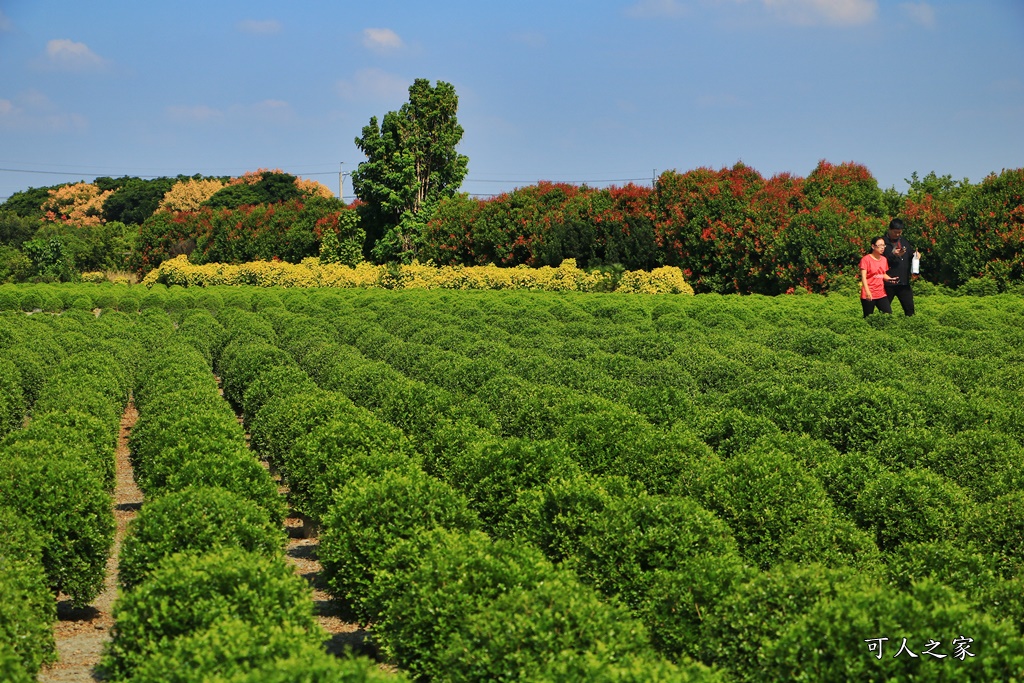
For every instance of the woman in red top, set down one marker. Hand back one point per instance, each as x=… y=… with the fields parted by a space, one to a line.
x=873 y=278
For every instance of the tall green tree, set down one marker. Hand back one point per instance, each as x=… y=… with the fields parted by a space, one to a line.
x=411 y=165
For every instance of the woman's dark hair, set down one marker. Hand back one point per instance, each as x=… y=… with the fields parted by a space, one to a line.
x=896 y=224
x=875 y=239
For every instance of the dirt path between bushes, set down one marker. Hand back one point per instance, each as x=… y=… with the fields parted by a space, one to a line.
x=81 y=633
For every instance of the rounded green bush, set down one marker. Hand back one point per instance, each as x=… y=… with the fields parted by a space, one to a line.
x=913 y=505
x=243 y=360
x=12 y=669
x=428 y=587
x=12 y=398
x=631 y=669
x=845 y=475
x=153 y=299
x=65 y=501
x=188 y=594
x=30 y=368
x=105 y=299
x=129 y=302
x=81 y=303
x=31 y=300
x=201 y=330
x=316 y=667
x=492 y=474
x=764 y=496
x=620 y=442
x=76 y=432
x=10 y=298
x=228 y=647
x=51 y=303
x=999 y=531
x=636 y=535
x=326 y=458
x=527 y=630
x=194 y=521
x=985 y=463
x=28 y=609
x=828 y=643
x=679 y=599
x=278 y=380
x=160 y=430
x=736 y=628
x=284 y=419
x=566 y=510
x=733 y=431
x=223 y=464
x=846 y=426
x=958 y=564
x=370 y=515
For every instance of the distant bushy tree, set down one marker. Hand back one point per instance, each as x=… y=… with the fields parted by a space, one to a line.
x=411 y=165
x=135 y=200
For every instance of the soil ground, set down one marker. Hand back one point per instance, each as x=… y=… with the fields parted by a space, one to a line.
x=81 y=633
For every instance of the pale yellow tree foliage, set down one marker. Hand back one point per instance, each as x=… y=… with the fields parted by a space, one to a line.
x=188 y=195
x=77 y=204
x=313 y=188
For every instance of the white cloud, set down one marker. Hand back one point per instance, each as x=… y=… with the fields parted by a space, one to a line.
x=67 y=55
x=374 y=84
x=381 y=39
x=648 y=9
x=32 y=111
x=920 y=13
x=260 y=27
x=831 y=12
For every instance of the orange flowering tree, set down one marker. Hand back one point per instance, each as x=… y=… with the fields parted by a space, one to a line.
x=76 y=204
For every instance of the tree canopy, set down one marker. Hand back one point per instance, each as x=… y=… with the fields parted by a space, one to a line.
x=411 y=165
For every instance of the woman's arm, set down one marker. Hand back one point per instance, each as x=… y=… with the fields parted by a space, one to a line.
x=864 y=284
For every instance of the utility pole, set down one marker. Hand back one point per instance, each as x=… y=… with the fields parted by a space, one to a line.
x=341 y=180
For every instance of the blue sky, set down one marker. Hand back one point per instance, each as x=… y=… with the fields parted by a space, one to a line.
x=600 y=92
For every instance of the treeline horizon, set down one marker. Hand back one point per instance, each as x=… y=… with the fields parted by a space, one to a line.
x=729 y=230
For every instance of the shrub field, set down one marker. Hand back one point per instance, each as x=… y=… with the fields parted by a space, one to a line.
x=515 y=485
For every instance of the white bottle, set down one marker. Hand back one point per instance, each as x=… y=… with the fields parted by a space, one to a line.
x=915 y=265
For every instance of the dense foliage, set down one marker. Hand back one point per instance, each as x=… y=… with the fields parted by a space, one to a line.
x=729 y=230
x=564 y=486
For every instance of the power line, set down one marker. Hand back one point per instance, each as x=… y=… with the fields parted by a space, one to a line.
x=571 y=182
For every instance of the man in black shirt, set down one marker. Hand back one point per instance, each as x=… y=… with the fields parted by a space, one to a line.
x=898 y=253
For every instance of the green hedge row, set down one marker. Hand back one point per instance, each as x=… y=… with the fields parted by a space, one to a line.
x=59 y=470
x=208 y=595
x=27 y=610
x=187 y=435
x=69 y=374
x=333 y=453
x=748 y=409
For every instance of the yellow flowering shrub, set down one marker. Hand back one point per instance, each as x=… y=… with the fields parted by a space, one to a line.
x=311 y=273
x=664 y=280
x=94 y=276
